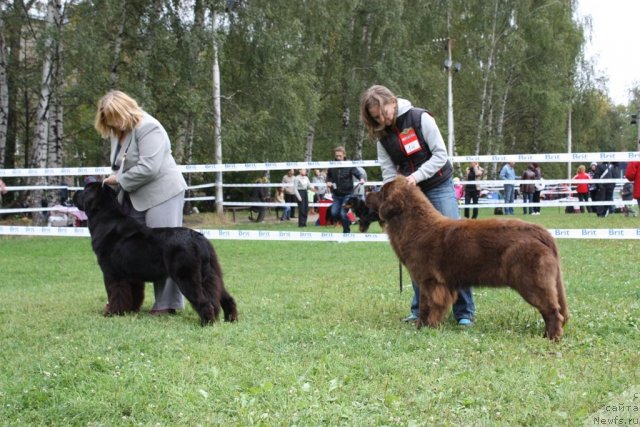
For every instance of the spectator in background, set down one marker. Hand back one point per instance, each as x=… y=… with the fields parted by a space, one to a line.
x=633 y=174
x=606 y=170
x=258 y=194
x=627 y=195
x=3 y=190
x=319 y=186
x=301 y=186
x=508 y=173
x=593 y=187
x=286 y=210
x=471 y=189
x=340 y=180
x=583 y=188
x=289 y=191
x=537 y=188
x=527 y=189
x=458 y=188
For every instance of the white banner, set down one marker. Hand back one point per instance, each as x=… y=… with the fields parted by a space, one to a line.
x=237 y=167
x=303 y=236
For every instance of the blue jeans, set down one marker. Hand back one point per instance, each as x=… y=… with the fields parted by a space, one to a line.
x=286 y=213
x=527 y=198
x=337 y=211
x=509 y=197
x=443 y=198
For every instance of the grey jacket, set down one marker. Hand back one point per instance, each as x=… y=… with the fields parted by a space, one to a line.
x=431 y=135
x=148 y=171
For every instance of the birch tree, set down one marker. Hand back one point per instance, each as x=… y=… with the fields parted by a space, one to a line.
x=41 y=146
x=217 y=113
x=4 y=88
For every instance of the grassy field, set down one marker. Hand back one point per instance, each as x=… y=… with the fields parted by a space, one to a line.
x=319 y=341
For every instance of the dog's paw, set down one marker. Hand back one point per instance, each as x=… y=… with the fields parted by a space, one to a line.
x=106 y=311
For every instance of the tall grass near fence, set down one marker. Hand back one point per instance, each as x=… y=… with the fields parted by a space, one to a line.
x=319 y=342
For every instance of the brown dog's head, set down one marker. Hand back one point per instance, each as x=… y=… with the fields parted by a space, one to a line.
x=392 y=198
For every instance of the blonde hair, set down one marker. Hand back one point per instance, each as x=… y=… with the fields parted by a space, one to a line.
x=581 y=168
x=379 y=96
x=117 y=113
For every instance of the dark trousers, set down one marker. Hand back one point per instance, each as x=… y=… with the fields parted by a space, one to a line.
x=605 y=193
x=593 y=193
x=303 y=208
x=536 y=199
x=471 y=196
x=583 y=197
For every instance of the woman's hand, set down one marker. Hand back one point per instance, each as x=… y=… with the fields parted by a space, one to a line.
x=411 y=180
x=110 y=180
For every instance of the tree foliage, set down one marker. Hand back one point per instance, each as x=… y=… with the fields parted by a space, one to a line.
x=292 y=74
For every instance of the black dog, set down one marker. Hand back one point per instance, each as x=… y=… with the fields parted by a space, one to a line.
x=365 y=215
x=130 y=253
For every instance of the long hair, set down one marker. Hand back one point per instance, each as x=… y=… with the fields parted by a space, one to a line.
x=379 y=96
x=116 y=113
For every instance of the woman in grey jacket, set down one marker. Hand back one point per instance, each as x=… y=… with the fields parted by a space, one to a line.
x=152 y=187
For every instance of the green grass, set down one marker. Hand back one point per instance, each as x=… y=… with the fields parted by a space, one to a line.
x=319 y=342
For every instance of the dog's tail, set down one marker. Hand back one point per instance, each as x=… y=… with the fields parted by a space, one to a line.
x=562 y=297
x=550 y=241
x=227 y=302
x=228 y=306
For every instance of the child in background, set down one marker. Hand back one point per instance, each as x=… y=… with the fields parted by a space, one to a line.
x=458 y=188
x=627 y=194
x=286 y=210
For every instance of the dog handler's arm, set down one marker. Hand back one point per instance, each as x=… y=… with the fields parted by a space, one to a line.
x=386 y=164
x=151 y=142
x=434 y=140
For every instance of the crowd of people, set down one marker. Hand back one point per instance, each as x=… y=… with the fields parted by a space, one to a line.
x=531 y=187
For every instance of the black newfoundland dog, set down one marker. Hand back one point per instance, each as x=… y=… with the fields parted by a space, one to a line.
x=130 y=254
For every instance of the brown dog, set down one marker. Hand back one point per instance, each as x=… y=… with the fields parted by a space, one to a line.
x=443 y=255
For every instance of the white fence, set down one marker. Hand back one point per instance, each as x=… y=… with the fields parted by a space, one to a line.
x=604 y=233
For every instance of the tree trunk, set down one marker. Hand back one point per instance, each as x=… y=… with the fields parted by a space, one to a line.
x=13 y=33
x=357 y=154
x=499 y=140
x=56 y=118
x=486 y=76
x=217 y=117
x=344 y=137
x=117 y=48
x=41 y=150
x=308 y=150
x=4 y=90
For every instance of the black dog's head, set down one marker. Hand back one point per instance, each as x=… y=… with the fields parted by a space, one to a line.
x=364 y=214
x=95 y=197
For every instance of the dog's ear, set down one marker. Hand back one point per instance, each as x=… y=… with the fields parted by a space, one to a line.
x=392 y=200
x=85 y=199
x=372 y=201
x=391 y=207
x=78 y=199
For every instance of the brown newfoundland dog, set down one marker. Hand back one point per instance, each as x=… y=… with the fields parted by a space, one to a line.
x=130 y=254
x=443 y=255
